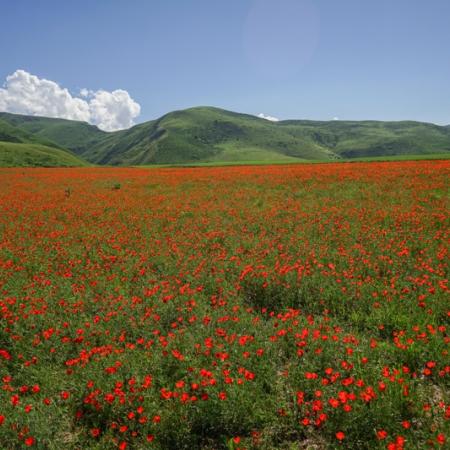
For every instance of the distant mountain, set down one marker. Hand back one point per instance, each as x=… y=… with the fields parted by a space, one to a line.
x=206 y=134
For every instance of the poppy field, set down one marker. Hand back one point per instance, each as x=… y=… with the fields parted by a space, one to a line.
x=265 y=307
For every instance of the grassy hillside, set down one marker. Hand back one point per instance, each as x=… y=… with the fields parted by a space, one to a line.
x=12 y=133
x=22 y=145
x=68 y=134
x=212 y=135
x=35 y=155
x=374 y=138
x=201 y=135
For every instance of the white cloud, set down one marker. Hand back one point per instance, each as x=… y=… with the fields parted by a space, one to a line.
x=86 y=92
x=24 y=93
x=113 y=110
x=335 y=118
x=271 y=118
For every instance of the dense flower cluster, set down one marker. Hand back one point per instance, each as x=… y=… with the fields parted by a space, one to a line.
x=239 y=307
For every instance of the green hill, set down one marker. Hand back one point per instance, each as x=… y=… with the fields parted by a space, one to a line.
x=20 y=147
x=35 y=155
x=68 y=134
x=351 y=139
x=212 y=135
x=12 y=133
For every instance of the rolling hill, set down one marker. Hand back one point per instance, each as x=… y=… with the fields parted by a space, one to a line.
x=20 y=147
x=213 y=135
x=14 y=154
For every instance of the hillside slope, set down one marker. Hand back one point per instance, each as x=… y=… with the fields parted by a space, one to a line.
x=12 y=133
x=356 y=139
x=68 y=134
x=206 y=134
x=22 y=148
x=35 y=155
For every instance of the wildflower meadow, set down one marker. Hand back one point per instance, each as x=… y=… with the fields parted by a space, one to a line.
x=257 y=307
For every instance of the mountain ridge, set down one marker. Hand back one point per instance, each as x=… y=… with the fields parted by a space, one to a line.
x=208 y=134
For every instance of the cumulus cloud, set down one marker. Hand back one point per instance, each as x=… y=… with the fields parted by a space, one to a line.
x=113 y=110
x=24 y=93
x=85 y=92
x=271 y=118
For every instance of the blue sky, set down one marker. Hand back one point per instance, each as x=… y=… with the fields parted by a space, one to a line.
x=312 y=59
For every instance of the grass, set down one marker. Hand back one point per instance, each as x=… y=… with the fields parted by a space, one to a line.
x=429 y=157
x=281 y=161
x=9 y=132
x=236 y=153
x=35 y=155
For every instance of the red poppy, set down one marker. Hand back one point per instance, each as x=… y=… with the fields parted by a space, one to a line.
x=340 y=436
